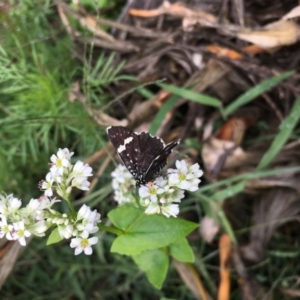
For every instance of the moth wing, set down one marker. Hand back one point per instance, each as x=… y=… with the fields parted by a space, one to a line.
x=127 y=145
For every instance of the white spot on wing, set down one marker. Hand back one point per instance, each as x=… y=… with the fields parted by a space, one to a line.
x=123 y=147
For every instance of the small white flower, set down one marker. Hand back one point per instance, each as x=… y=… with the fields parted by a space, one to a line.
x=83 y=212
x=61 y=160
x=46 y=185
x=123 y=195
x=83 y=244
x=87 y=228
x=115 y=184
x=5 y=229
x=184 y=177
x=46 y=203
x=170 y=210
x=81 y=169
x=121 y=183
x=173 y=194
x=153 y=208
x=89 y=219
x=20 y=232
x=13 y=204
x=121 y=174
x=119 y=197
x=94 y=217
x=167 y=209
x=40 y=227
x=56 y=176
x=150 y=190
x=66 y=231
x=160 y=181
x=81 y=183
x=31 y=207
x=195 y=169
x=3 y=208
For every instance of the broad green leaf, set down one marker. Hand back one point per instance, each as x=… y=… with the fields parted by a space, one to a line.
x=54 y=237
x=123 y=216
x=285 y=130
x=160 y=116
x=155 y=264
x=145 y=232
x=255 y=92
x=191 y=95
x=182 y=251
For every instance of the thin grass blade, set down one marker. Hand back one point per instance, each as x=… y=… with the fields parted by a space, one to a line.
x=255 y=92
x=285 y=130
x=157 y=121
x=190 y=95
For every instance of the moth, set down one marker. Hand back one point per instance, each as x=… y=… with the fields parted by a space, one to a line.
x=143 y=155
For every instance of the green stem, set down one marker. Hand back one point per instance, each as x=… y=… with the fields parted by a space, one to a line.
x=71 y=206
x=226 y=225
x=113 y=230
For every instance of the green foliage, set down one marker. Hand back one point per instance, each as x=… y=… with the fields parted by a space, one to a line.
x=254 y=92
x=36 y=116
x=190 y=95
x=161 y=114
x=229 y=191
x=182 y=251
x=54 y=237
x=109 y=8
x=227 y=183
x=145 y=232
x=155 y=264
x=145 y=236
x=104 y=73
x=285 y=131
x=36 y=75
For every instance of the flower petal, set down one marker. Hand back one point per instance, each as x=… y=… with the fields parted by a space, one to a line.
x=93 y=240
x=78 y=250
x=88 y=250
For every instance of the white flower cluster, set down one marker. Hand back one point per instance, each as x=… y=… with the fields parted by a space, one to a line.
x=85 y=224
x=121 y=183
x=17 y=223
x=161 y=195
x=63 y=175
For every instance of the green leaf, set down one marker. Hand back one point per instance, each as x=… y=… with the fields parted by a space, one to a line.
x=182 y=251
x=145 y=232
x=255 y=92
x=160 y=116
x=155 y=264
x=54 y=237
x=285 y=130
x=190 y=95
